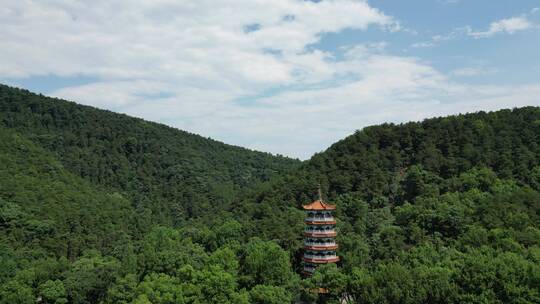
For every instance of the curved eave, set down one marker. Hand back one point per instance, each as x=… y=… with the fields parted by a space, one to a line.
x=319 y=205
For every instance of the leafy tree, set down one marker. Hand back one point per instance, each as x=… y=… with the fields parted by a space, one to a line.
x=329 y=282
x=53 y=292
x=266 y=294
x=163 y=250
x=226 y=258
x=88 y=278
x=160 y=289
x=211 y=285
x=394 y=284
x=361 y=286
x=267 y=264
x=123 y=291
x=14 y=292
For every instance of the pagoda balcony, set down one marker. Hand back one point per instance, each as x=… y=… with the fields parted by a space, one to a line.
x=320 y=259
x=320 y=246
x=320 y=243
x=320 y=220
x=320 y=233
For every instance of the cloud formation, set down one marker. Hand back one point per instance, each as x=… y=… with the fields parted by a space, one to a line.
x=473 y=71
x=242 y=71
x=510 y=26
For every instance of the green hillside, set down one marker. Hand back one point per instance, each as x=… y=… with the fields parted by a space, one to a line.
x=98 y=207
x=47 y=211
x=446 y=210
x=88 y=199
x=64 y=240
x=171 y=174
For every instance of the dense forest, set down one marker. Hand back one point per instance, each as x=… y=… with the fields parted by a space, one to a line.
x=98 y=207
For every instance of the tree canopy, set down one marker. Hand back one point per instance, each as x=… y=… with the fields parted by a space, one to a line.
x=98 y=207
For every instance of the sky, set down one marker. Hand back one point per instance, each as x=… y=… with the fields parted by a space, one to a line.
x=289 y=77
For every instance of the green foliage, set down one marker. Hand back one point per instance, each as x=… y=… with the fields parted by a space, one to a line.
x=15 y=292
x=173 y=174
x=163 y=250
x=44 y=207
x=97 y=207
x=53 y=292
x=160 y=289
x=265 y=263
x=329 y=279
x=226 y=258
x=266 y=294
x=123 y=291
x=415 y=200
x=213 y=285
x=498 y=277
x=88 y=278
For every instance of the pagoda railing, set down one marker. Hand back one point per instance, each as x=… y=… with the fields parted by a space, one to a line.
x=320 y=244
x=320 y=219
x=320 y=257
x=319 y=230
x=320 y=234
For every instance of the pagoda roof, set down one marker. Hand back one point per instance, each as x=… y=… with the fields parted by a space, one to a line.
x=319 y=205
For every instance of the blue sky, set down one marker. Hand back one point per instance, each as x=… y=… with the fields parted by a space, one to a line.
x=510 y=54
x=283 y=76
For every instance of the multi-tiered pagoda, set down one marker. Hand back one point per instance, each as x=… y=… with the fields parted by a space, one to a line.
x=319 y=235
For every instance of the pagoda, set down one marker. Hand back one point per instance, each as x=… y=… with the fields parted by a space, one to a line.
x=319 y=235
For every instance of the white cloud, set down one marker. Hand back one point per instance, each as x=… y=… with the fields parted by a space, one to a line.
x=390 y=89
x=201 y=39
x=535 y=10
x=423 y=44
x=473 y=71
x=437 y=39
x=193 y=65
x=510 y=26
x=449 y=1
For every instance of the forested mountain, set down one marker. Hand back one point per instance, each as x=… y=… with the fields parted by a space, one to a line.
x=89 y=199
x=51 y=210
x=446 y=210
x=97 y=207
x=165 y=172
